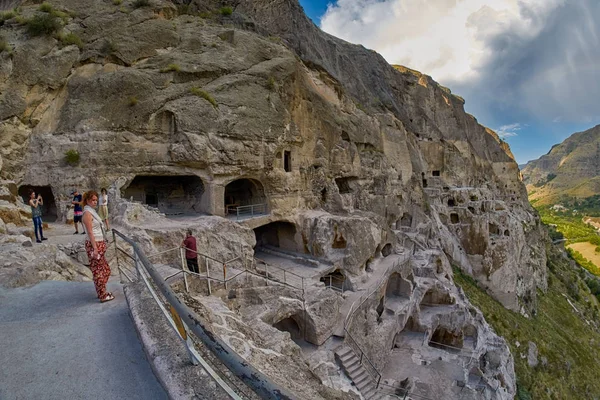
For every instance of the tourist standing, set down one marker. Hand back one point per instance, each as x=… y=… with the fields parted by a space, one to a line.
x=36 y=204
x=103 y=207
x=95 y=245
x=77 y=211
x=191 y=255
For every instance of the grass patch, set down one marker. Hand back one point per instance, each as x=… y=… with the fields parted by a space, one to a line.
x=6 y=15
x=45 y=7
x=71 y=38
x=171 y=67
x=271 y=83
x=226 y=11
x=43 y=24
x=72 y=157
x=205 y=95
x=117 y=2
x=567 y=345
x=4 y=46
x=133 y=101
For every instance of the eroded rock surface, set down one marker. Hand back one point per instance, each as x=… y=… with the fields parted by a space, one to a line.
x=347 y=160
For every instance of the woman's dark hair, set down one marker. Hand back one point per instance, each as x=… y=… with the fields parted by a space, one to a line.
x=103 y=190
x=87 y=196
x=30 y=192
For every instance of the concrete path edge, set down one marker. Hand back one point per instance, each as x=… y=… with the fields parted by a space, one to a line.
x=165 y=351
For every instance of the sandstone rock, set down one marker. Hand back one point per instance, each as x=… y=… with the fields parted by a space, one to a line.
x=356 y=162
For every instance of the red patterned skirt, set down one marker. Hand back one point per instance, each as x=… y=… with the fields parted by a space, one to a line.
x=100 y=268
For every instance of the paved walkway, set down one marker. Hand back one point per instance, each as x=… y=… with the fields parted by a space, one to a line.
x=57 y=341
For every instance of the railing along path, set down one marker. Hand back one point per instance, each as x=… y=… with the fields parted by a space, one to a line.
x=185 y=321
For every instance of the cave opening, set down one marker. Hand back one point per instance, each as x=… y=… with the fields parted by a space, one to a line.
x=278 y=234
x=170 y=194
x=446 y=339
x=245 y=197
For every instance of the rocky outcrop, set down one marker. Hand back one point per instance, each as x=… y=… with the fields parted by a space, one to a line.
x=571 y=169
x=352 y=158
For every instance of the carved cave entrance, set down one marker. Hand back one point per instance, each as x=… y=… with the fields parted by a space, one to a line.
x=301 y=329
x=49 y=210
x=397 y=291
x=171 y=194
x=335 y=280
x=446 y=339
x=290 y=325
x=279 y=234
x=435 y=297
x=245 y=197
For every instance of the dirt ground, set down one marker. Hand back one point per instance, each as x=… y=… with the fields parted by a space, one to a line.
x=587 y=250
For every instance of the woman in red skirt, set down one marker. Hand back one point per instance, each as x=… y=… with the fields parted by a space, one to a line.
x=95 y=245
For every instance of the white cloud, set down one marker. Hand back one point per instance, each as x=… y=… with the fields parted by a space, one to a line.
x=510 y=130
x=444 y=38
x=536 y=56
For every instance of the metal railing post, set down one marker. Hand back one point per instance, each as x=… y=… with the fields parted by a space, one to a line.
x=225 y=275
x=116 y=247
x=207 y=275
x=266 y=275
x=284 y=281
x=183 y=264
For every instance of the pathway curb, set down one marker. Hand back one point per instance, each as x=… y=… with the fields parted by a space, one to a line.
x=165 y=352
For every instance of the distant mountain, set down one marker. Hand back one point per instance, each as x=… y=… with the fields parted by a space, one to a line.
x=570 y=170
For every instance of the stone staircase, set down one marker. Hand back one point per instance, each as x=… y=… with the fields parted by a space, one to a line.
x=357 y=373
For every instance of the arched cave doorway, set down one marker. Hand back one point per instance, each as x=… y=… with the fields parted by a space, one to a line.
x=335 y=280
x=290 y=325
x=387 y=250
x=245 y=196
x=447 y=339
x=171 y=194
x=301 y=328
x=49 y=210
x=279 y=234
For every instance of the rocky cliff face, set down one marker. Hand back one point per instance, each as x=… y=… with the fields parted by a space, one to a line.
x=361 y=158
x=570 y=169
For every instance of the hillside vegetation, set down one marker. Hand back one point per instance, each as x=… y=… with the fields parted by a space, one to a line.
x=569 y=172
x=564 y=329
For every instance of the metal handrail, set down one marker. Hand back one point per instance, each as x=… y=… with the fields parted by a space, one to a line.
x=375 y=374
x=367 y=295
x=251 y=376
x=247 y=210
x=350 y=315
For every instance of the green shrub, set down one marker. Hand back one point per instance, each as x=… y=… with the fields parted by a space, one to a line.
x=4 y=46
x=522 y=393
x=117 y=2
x=133 y=101
x=71 y=38
x=205 y=14
x=184 y=9
x=6 y=15
x=45 y=7
x=271 y=83
x=170 y=67
x=140 y=3
x=226 y=11
x=205 y=95
x=43 y=24
x=72 y=157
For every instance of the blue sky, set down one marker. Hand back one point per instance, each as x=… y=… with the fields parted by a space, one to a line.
x=528 y=69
